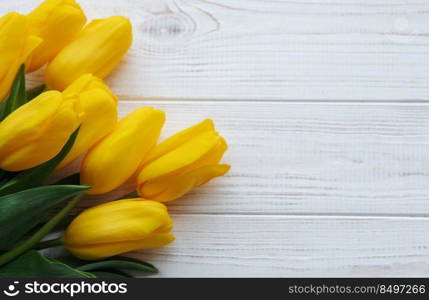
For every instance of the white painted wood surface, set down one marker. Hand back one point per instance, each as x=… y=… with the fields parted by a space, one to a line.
x=324 y=106
x=277 y=50
x=277 y=246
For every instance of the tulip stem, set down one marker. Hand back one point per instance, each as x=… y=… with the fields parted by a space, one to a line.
x=36 y=237
x=49 y=243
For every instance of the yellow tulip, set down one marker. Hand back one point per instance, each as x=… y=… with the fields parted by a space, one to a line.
x=57 y=22
x=36 y=132
x=117 y=157
x=97 y=106
x=188 y=159
x=88 y=82
x=117 y=227
x=16 y=44
x=97 y=50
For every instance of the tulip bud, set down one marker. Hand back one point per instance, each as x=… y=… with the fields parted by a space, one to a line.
x=88 y=82
x=188 y=159
x=97 y=106
x=97 y=50
x=15 y=46
x=116 y=158
x=36 y=132
x=57 y=22
x=117 y=227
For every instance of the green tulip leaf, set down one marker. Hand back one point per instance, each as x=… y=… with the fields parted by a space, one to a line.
x=21 y=211
x=64 y=223
x=111 y=274
x=17 y=95
x=35 y=176
x=32 y=264
x=71 y=260
x=61 y=226
x=115 y=264
x=5 y=176
x=36 y=91
x=120 y=265
x=130 y=259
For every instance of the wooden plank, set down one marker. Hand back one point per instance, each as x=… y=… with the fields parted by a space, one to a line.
x=269 y=246
x=248 y=49
x=312 y=158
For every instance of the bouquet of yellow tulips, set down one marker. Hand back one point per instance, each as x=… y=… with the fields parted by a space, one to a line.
x=72 y=120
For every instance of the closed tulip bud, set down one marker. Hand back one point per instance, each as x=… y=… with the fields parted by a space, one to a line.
x=97 y=49
x=88 y=82
x=117 y=227
x=188 y=159
x=16 y=44
x=36 y=132
x=117 y=157
x=57 y=22
x=97 y=106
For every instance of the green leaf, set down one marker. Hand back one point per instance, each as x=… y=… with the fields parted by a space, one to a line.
x=115 y=264
x=111 y=274
x=65 y=222
x=62 y=225
x=34 y=265
x=23 y=210
x=35 y=176
x=120 y=265
x=5 y=176
x=34 y=92
x=17 y=95
x=71 y=260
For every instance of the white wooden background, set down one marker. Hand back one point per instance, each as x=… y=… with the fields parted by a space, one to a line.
x=324 y=105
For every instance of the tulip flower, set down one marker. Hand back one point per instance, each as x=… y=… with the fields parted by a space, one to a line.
x=16 y=44
x=88 y=82
x=36 y=132
x=97 y=50
x=97 y=106
x=117 y=227
x=188 y=159
x=56 y=22
x=116 y=158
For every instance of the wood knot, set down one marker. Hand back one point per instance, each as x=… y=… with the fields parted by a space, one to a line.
x=167 y=29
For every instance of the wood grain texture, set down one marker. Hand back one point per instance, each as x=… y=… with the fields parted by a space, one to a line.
x=311 y=158
x=249 y=246
x=318 y=187
x=251 y=49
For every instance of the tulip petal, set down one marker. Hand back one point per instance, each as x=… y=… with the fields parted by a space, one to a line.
x=35 y=132
x=175 y=187
x=212 y=157
x=116 y=221
x=26 y=147
x=179 y=139
x=15 y=46
x=100 y=251
x=57 y=22
x=116 y=158
x=26 y=122
x=97 y=50
x=88 y=82
x=99 y=119
x=117 y=227
x=183 y=156
x=156 y=186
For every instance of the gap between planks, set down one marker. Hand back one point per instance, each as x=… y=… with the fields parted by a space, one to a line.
x=134 y=100
x=344 y=216
x=306 y=216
